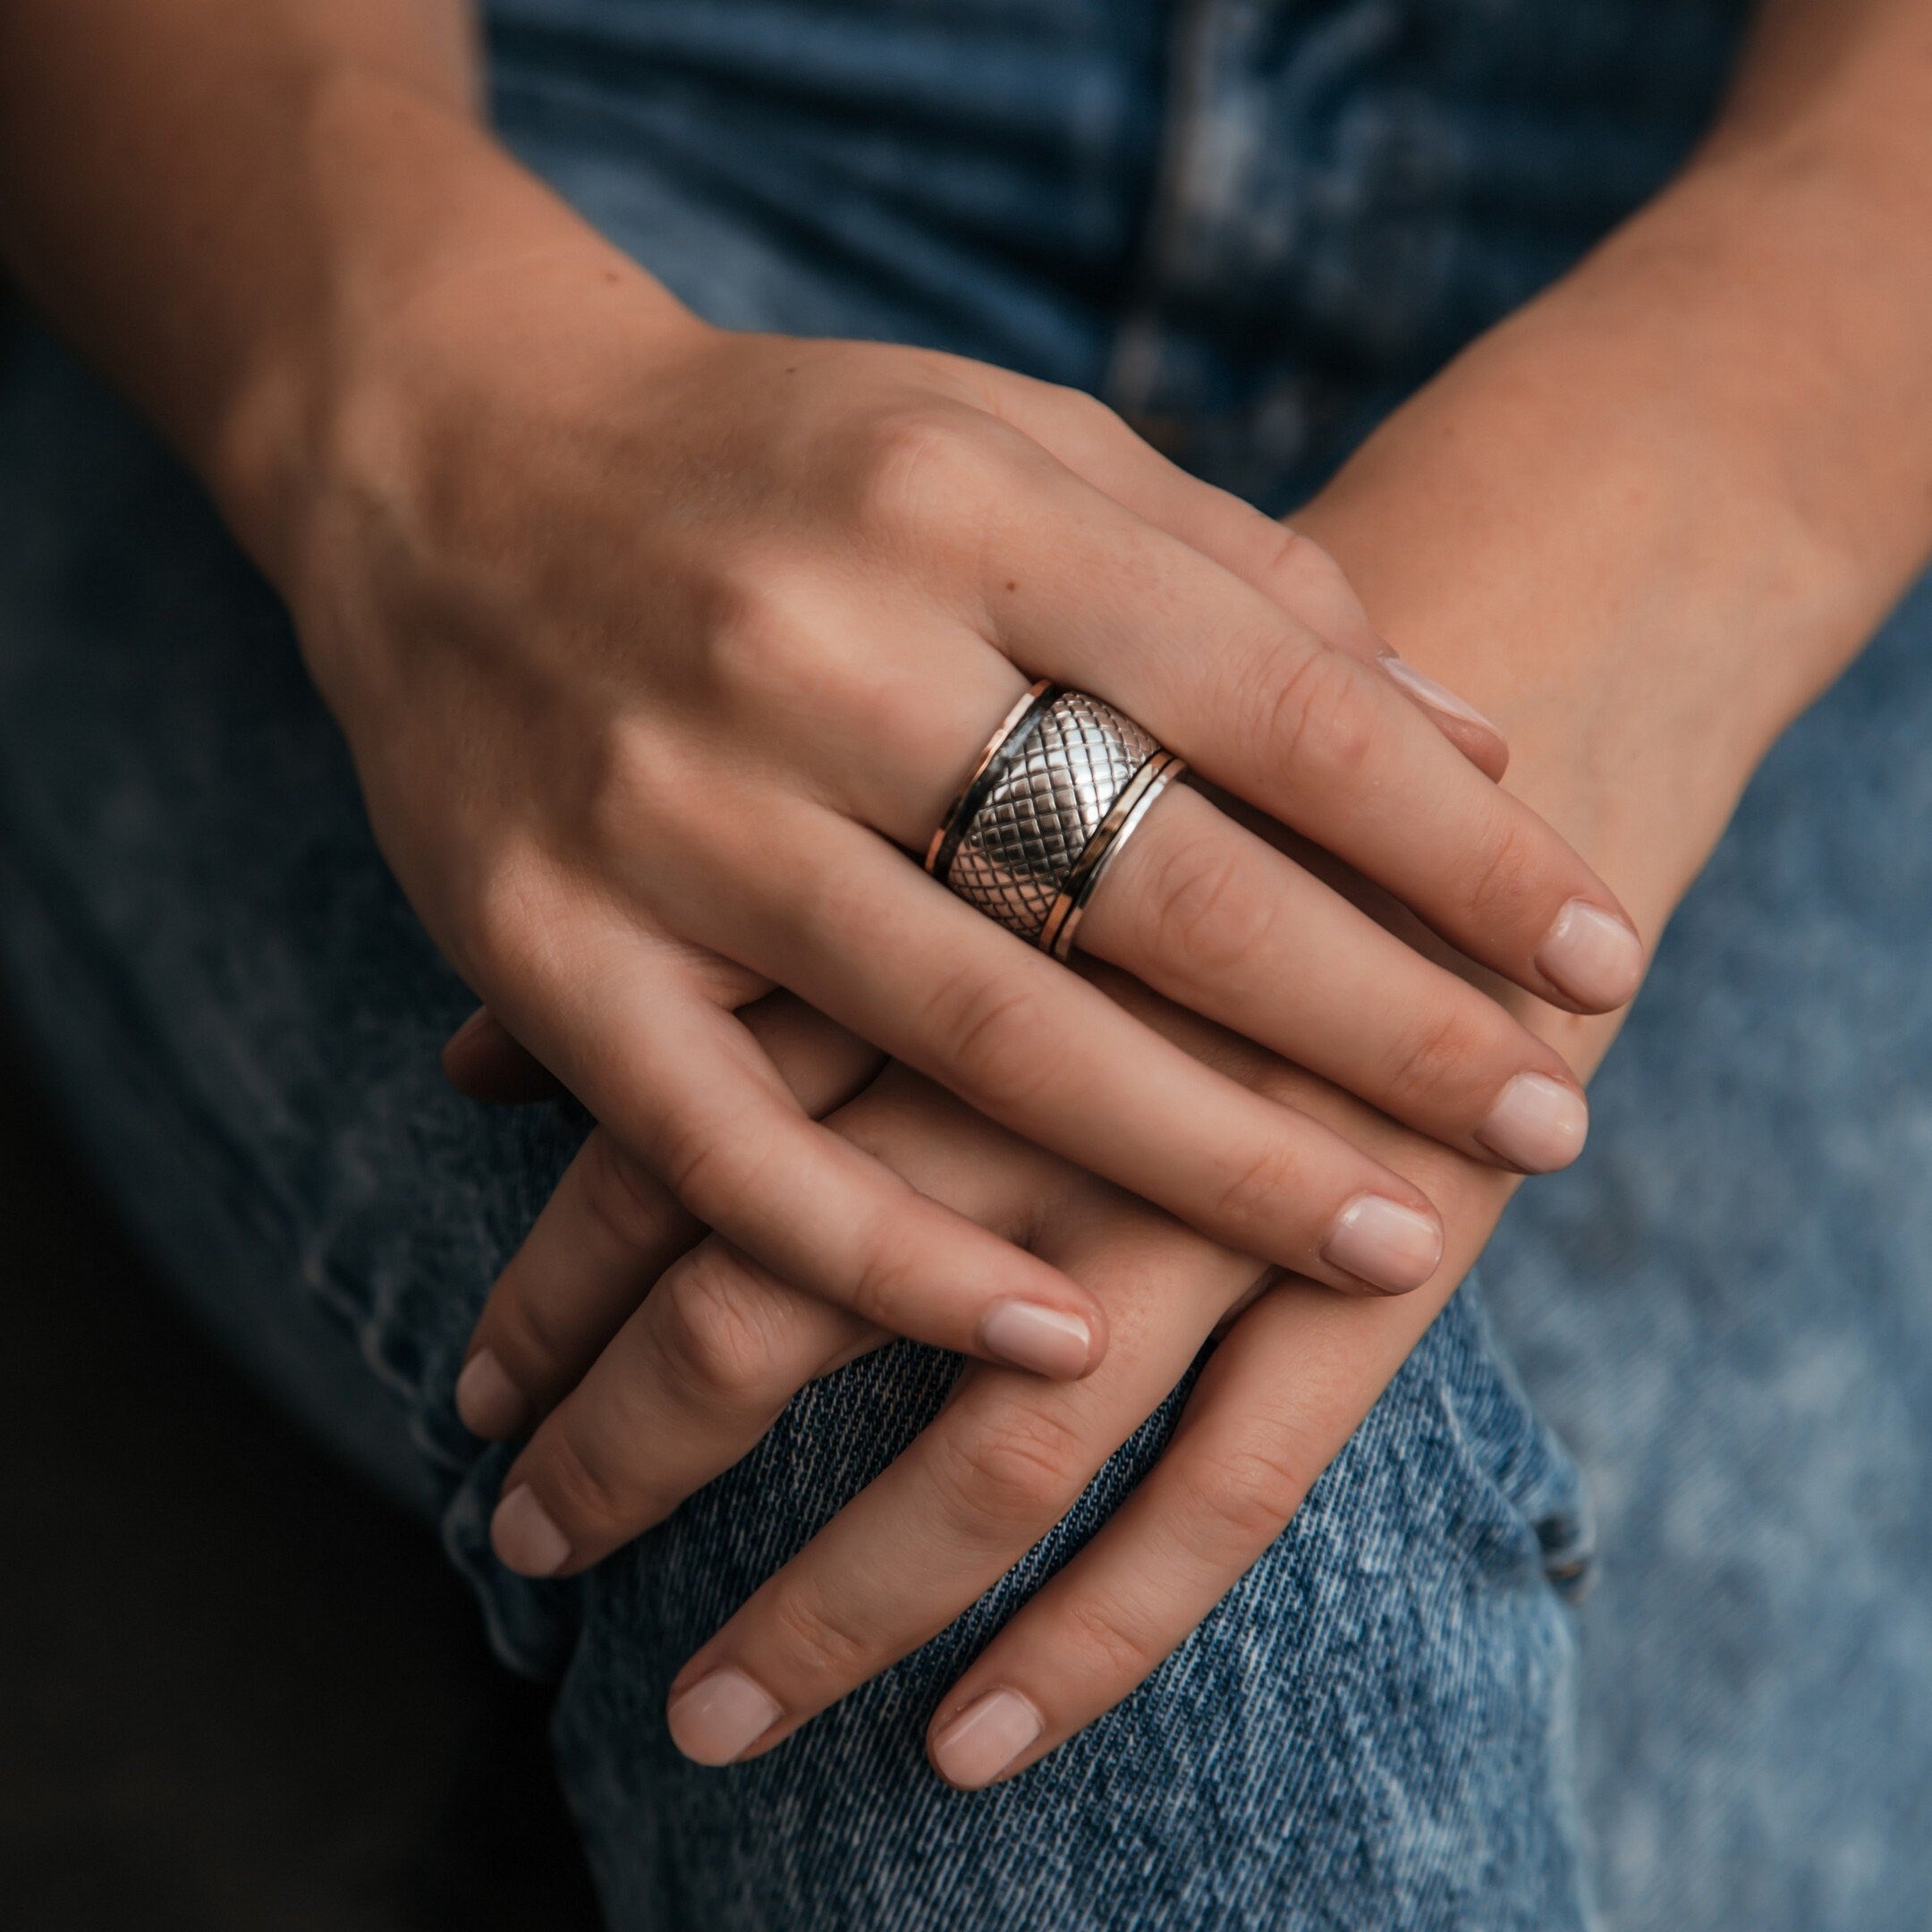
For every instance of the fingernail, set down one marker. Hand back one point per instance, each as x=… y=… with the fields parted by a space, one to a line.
x=1591 y=955
x=720 y=1717
x=1537 y=1123
x=1425 y=689
x=489 y=1402
x=1041 y=1339
x=1385 y=1244
x=985 y=1738
x=524 y=1536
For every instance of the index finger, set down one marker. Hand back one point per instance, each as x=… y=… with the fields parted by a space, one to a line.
x=682 y=1085
x=1291 y=569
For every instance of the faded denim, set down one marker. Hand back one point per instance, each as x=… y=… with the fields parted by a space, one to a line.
x=1254 y=226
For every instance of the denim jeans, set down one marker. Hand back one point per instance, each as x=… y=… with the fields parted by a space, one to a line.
x=1696 y=1372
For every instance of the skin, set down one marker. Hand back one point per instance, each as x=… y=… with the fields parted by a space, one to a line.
x=1641 y=525
x=658 y=647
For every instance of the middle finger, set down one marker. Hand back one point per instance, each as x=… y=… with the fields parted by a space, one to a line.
x=1219 y=921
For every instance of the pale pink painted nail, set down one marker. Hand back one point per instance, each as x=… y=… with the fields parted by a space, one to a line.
x=1041 y=1339
x=1425 y=689
x=985 y=1738
x=525 y=1536
x=1385 y=1243
x=1591 y=955
x=489 y=1402
x=720 y=1717
x=1537 y=1123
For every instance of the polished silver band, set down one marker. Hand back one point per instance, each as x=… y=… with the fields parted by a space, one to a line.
x=1060 y=788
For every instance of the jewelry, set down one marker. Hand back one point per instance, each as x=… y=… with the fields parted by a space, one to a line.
x=1061 y=786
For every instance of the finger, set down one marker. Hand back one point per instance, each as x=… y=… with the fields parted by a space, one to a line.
x=687 y=1090
x=609 y=1231
x=1289 y=568
x=691 y=1383
x=899 y=961
x=1443 y=1061
x=1226 y=926
x=1001 y=1463
x=1311 y=735
x=697 y=1373
x=998 y=1469
x=1250 y=1445
x=483 y=1063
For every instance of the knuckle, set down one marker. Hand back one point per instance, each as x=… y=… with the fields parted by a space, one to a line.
x=816 y=1639
x=1299 y=561
x=1014 y=1473
x=783 y=648
x=1315 y=718
x=532 y=1336
x=1115 y=1640
x=878 y=1289
x=990 y=1031
x=636 y=792
x=1249 y=1204
x=625 y=1201
x=1081 y=409
x=1243 y=1493
x=710 y=1170
x=1207 y=915
x=760 y=642
x=714 y=1341
x=1435 y=1060
x=921 y=472
x=589 y=1498
x=1508 y=883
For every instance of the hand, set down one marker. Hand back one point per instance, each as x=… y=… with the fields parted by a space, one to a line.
x=1633 y=759
x=652 y=642
x=656 y=1397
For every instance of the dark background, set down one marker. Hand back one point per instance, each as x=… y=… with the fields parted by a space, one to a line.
x=238 y=1693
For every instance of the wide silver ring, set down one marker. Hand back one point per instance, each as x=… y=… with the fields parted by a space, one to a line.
x=1061 y=787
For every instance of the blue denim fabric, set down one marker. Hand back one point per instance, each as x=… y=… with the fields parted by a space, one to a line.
x=1254 y=226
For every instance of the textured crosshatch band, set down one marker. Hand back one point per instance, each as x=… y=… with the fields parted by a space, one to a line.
x=1070 y=783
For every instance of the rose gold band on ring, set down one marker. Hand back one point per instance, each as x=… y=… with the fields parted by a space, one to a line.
x=961 y=810
x=1114 y=831
x=1060 y=788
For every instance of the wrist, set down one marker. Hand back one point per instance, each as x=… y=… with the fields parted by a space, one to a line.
x=1644 y=522
x=437 y=260
x=1696 y=467
x=1571 y=594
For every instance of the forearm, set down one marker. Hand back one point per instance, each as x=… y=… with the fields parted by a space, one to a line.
x=1650 y=516
x=215 y=199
